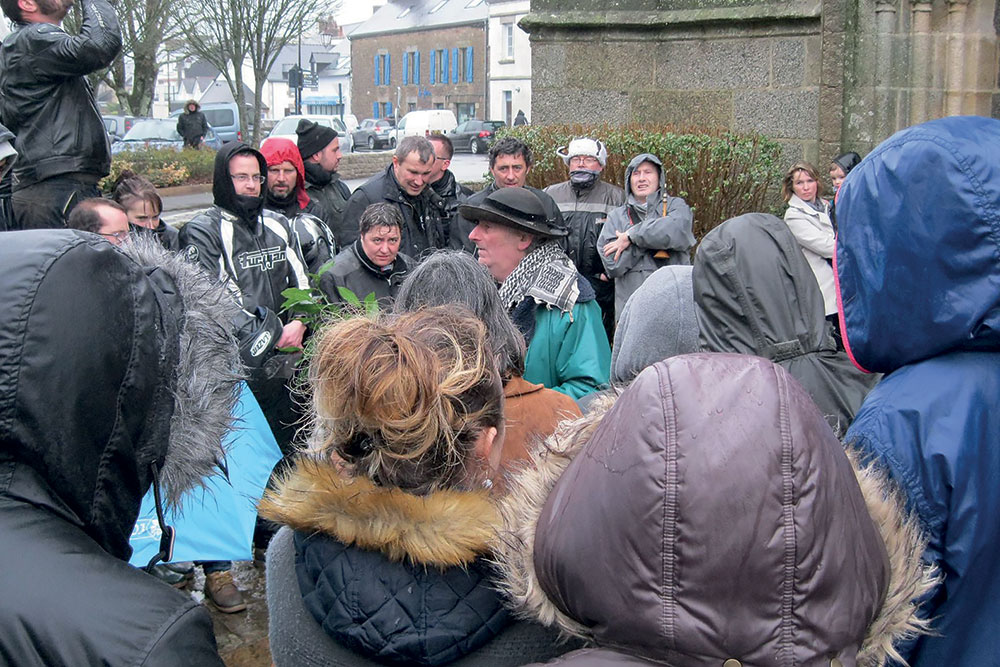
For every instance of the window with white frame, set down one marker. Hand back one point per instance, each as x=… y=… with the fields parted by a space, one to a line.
x=507 y=35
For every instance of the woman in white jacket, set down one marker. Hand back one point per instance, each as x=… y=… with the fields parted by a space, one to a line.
x=808 y=216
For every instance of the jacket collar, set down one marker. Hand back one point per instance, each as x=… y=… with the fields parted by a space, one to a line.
x=445 y=528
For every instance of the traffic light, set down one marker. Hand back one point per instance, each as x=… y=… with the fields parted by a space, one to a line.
x=294 y=77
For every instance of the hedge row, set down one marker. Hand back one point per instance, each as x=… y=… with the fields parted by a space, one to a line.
x=164 y=167
x=720 y=174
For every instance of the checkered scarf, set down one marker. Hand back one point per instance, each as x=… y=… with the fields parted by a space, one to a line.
x=545 y=274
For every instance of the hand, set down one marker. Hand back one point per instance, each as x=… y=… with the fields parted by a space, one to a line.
x=291 y=335
x=604 y=278
x=618 y=246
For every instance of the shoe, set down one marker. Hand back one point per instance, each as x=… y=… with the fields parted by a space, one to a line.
x=185 y=569
x=222 y=592
x=168 y=576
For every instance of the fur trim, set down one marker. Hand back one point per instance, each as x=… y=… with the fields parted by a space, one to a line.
x=446 y=528
x=520 y=508
x=208 y=370
x=910 y=577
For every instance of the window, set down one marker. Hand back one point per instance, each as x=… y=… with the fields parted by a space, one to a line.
x=508 y=107
x=439 y=105
x=442 y=59
x=387 y=109
x=473 y=3
x=462 y=65
x=383 y=64
x=438 y=6
x=465 y=111
x=507 y=40
x=411 y=106
x=404 y=13
x=411 y=68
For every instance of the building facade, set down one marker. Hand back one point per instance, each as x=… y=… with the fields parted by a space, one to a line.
x=425 y=54
x=509 y=62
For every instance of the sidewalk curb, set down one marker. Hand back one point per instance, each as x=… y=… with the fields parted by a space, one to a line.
x=184 y=190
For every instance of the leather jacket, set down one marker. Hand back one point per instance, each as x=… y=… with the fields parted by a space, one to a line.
x=46 y=101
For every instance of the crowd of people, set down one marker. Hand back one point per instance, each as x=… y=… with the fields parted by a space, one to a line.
x=786 y=456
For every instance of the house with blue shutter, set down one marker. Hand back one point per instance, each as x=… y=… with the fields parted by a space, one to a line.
x=421 y=54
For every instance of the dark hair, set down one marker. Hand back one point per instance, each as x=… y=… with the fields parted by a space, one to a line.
x=130 y=187
x=418 y=145
x=846 y=161
x=450 y=277
x=11 y=10
x=449 y=148
x=511 y=146
x=380 y=214
x=403 y=399
x=86 y=215
x=786 y=183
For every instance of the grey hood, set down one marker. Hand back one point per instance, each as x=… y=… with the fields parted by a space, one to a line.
x=113 y=362
x=673 y=538
x=658 y=322
x=635 y=162
x=755 y=294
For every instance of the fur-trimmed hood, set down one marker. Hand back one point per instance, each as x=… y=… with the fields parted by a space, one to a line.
x=113 y=361
x=711 y=512
x=445 y=528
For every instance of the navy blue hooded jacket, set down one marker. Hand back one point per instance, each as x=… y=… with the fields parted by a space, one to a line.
x=918 y=269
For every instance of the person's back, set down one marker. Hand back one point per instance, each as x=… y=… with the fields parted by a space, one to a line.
x=46 y=102
x=920 y=301
x=96 y=407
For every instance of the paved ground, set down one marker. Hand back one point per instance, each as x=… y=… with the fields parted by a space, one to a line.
x=467 y=168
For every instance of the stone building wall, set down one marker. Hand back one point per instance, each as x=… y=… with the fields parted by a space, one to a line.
x=819 y=75
x=425 y=95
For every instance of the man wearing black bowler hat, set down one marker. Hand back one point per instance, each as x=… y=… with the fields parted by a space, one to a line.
x=550 y=302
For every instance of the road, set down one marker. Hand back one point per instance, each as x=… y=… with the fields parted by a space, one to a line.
x=466 y=167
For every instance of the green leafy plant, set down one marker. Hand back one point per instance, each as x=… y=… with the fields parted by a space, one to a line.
x=164 y=167
x=719 y=173
x=311 y=306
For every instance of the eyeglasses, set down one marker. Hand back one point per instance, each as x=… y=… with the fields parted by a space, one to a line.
x=117 y=236
x=243 y=178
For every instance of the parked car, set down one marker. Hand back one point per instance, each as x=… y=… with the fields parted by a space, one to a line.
x=351 y=121
x=159 y=133
x=475 y=136
x=285 y=129
x=117 y=126
x=223 y=117
x=375 y=134
x=422 y=122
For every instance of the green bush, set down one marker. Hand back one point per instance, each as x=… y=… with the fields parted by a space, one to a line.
x=719 y=173
x=164 y=167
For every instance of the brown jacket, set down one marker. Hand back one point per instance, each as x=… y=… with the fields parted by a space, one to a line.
x=711 y=514
x=532 y=414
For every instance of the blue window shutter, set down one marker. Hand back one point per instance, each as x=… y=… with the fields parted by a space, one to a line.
x=468 y=65
x=378 y=78
x=388 y=69
x=406 y=68
x=375 y=110
x=416 y=67
x=388 y=109
x=454 y=66
x=433 y=67
x=444 y=66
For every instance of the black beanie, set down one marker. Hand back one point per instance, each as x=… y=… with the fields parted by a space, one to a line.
x=313 y=137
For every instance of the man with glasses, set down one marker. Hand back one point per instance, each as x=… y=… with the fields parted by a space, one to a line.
x=585 y=201
x=100 y=216
x=254 y=252
x=445 y=192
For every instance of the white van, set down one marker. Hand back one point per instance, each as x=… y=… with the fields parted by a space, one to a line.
x=426 y=121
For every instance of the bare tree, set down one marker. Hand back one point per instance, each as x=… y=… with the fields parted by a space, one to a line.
x=233 y=32
x=145 y=25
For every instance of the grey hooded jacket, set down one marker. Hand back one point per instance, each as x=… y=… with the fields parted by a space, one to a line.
x=756 y=294
x=664 y=223
x=739 y=529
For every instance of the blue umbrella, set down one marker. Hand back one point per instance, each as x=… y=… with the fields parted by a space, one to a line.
x=217 y=522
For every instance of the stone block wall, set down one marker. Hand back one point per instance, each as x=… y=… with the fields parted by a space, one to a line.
x=363 y=165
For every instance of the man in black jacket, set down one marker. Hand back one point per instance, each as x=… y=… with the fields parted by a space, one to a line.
x=46 y=102
x=444 y=190
x=402 y=184
x=100 y=386
x=319 y=147
x=191 y=125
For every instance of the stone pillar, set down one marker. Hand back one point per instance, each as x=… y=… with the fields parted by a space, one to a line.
x=922 y=46
x=954 y=79
x=885 y=92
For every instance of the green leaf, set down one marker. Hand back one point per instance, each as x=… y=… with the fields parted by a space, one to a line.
x=350 y=297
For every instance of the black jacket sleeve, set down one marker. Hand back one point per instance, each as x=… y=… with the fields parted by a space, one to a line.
x=188 y=641
x=64 y=56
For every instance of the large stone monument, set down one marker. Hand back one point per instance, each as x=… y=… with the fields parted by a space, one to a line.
x=820 y=75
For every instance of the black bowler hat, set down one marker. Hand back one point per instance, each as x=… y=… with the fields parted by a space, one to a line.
x=519 y=208
x=313 y=137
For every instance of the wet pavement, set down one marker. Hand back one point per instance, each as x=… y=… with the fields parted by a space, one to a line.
x=241 y=637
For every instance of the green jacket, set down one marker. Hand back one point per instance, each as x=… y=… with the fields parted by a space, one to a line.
x=569 y=356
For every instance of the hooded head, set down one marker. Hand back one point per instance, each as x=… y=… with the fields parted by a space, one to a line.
x=245 y=207
x=635 y=162
x=112 y=359
x=276 y=151
x=191 y=103
x=738 y=529
x=917 y=262
x=658 y=322
x=755 y=294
